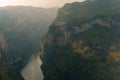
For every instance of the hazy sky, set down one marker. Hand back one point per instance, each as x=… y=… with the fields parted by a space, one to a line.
x=41 y=3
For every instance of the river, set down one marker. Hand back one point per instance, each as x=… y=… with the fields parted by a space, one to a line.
x=32 y=71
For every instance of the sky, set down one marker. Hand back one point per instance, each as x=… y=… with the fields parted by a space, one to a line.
x=36 y=3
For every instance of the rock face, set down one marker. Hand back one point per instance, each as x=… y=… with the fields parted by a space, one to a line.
x=83 y=43
x=7 y=71
x=3 y=73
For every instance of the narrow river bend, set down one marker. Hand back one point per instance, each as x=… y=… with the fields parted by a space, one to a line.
x=32 y=71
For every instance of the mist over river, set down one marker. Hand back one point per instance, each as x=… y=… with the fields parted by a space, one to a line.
x=32 y=71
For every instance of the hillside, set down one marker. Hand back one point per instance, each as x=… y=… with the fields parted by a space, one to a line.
x=83 y=43
x=21 y=29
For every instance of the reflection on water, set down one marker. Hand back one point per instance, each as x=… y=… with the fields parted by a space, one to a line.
x=32 y=71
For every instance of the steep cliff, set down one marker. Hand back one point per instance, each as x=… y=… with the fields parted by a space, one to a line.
x=7 y=71
x=3 y=72
x=83 y=42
